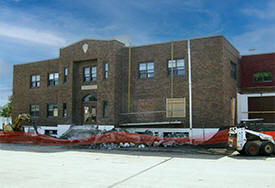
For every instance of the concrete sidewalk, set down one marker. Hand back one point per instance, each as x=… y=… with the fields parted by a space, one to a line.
x=57 y=167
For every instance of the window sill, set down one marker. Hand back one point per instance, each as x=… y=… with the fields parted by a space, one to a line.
x=145 y=78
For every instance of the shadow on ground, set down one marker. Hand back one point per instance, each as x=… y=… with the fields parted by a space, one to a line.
x=186 y=151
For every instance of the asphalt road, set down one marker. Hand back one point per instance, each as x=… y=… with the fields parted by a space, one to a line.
x=52 y=166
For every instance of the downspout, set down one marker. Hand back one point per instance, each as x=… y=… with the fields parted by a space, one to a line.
x=129 y=81
x=172 y=70
x=190 y=89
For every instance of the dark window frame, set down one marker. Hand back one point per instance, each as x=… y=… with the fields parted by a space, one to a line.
x=65 y=111
x=89 y=74
x=147 y=73
x=177 y=70
x=263 y=77
x=65 y=74
x=50 y=110
x=106 y=71
x=34 y=113
x=36 y=82
x=54 y=80
x=233 y=70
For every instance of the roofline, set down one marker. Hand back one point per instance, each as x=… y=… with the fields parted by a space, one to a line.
x=266 y=53
x=86 y=39
x=194 y=38
x=41 y=61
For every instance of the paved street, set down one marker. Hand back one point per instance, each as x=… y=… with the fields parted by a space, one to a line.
x=35 y=166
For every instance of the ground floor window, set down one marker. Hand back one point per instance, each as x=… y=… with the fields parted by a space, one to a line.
x=34 y=110
x=52 y=110
x=50 y=132
x=175 y=107
x=64 y=110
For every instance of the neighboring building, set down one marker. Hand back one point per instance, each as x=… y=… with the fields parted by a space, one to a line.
x=139 y=88
x=257 y=94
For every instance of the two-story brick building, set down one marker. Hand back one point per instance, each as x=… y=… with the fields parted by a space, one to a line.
x=175 y=85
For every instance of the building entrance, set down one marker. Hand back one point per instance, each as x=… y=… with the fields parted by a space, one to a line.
x=89 y=111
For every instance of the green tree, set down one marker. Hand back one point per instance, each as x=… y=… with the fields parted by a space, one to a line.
x=6 y=110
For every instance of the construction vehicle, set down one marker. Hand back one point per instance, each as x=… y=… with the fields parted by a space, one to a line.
x=251 y=142
x=17 y=125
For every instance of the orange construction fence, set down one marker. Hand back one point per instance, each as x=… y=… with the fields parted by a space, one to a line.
x=112 y=137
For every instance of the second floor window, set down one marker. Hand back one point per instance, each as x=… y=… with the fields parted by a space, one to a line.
x=233 y=70
x=146 y=70
x=52 y=110
x=34 y=110
x=106 y=71
x=65 y=74
x=35 y=81
x=178 y=67
x=89 y=74
x=260 y=77
x=53 y=79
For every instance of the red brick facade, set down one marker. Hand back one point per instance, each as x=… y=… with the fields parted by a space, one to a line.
x=257 y=63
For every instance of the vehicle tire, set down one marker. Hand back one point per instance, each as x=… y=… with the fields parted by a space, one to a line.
x=242 y=152
x=267 y=148
x=252 y=148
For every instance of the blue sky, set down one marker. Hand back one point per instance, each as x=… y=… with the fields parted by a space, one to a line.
x=32 y=30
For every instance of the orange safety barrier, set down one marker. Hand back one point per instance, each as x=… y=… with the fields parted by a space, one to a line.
x=112 y=137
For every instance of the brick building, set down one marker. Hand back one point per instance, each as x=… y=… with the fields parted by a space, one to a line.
x=257 y=94
x=142 y=87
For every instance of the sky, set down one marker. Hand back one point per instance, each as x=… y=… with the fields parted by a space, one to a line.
x=33 y=30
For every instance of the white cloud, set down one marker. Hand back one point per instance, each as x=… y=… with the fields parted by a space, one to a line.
x=261 y=39
x=30 y=34
x=262 y=13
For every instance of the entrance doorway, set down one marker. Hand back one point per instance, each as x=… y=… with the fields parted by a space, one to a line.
x=89 y=112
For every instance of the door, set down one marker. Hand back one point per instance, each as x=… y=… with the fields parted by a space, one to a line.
x=89 y=114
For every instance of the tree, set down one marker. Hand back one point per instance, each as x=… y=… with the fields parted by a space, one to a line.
x=6 y=110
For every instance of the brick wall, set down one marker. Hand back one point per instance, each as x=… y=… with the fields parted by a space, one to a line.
x=212 y=85
x=257 y=63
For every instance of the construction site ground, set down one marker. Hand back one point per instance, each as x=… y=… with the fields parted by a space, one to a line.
x=186 y=166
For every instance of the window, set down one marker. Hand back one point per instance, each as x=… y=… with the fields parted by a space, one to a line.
x=65 y=74
x=175 y=107
x=35 y=81
x=89 y=98
x=53 y=79
x=89 y=74
x=34 y=110
x=64 y=110
x=105 y=111
x=106 y=71
x=50 y=132
x=146 y=70
x=52 y=110
x=233 y=70
x=178 y=67
x=262 y=76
